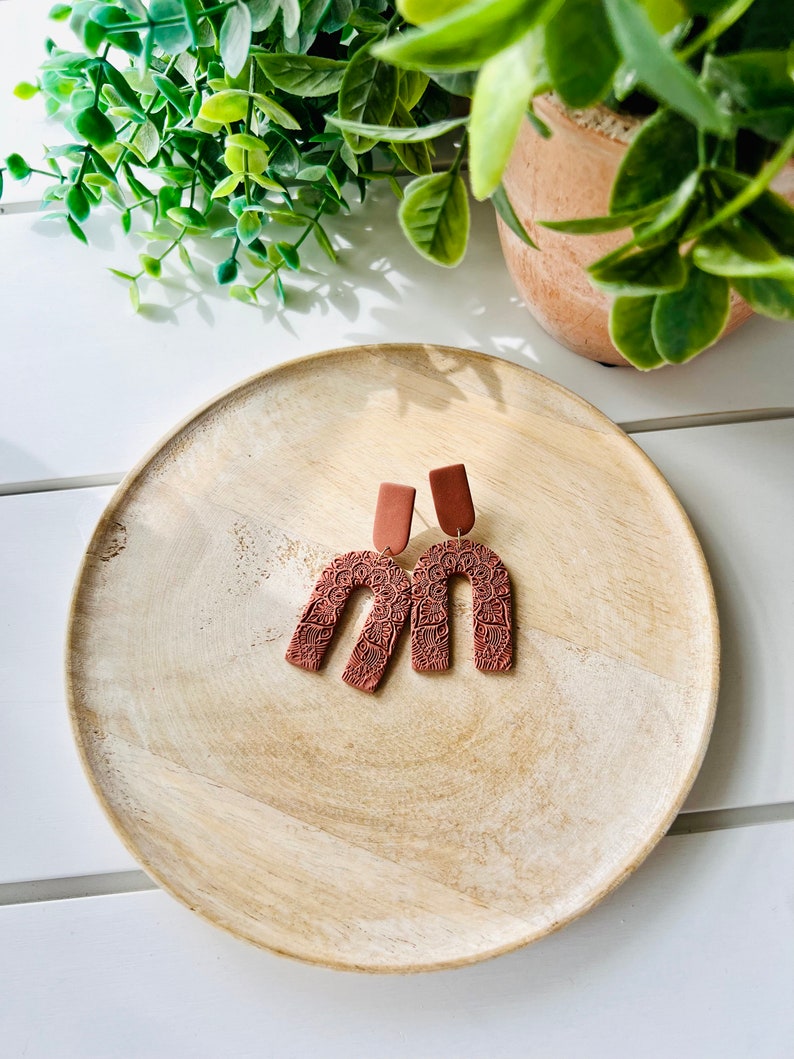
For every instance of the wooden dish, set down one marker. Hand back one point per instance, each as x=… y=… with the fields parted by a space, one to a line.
x=449 y=816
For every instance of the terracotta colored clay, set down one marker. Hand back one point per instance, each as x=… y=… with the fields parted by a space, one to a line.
x=570 y=175
x=491 y=603
x=393 y=514
x=452 y=499
x=383 y=625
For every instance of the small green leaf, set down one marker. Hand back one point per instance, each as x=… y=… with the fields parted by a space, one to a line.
x=246 y=142
x=25 y=90
x=60 y=12
x=135 y=296
x=126 y=221
x=248 y=228
x=498 y=107
x=122 y=275
x=739 y=250
x=292 y=220
x=467 y=36
x=659 y=158
x=770 y=297
x=275 y=112
x=243 y=294
x=302 y=75
x=396 y=134
x=263 y=13
x=76 y=230
x=324 y=242
x=235 y=38
x=291 y=16
x=226 y=271
x=77 y=203
x=368 y=95
x=413 y=84
x=504 y=208
x=686 y=321
x=581 y=53
x=185 y=258
x=665 y=76
x=146 y=141
x=168 y=89
x=170 y=28
x=226 y=106
x=434 y=215
x=18 y=168
x=612 y=222
x=415 y=157
x=187 y=217
x=289 y=255
x=152 y=266
x=227 y=185
x=652 y=271
x=631 y=334
x=95 y=126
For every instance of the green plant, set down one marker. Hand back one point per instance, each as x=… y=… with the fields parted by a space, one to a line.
x=715 y=77
x=211 y=117
x=249 y=117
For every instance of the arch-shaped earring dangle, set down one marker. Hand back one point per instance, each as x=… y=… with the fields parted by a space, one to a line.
x=372 y=569
x=490 y=584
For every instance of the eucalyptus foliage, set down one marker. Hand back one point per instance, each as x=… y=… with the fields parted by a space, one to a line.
x=249 y=118
x=211 y=118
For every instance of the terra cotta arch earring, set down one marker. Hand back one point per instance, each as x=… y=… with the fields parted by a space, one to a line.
x=490 y=584
x=376 y=570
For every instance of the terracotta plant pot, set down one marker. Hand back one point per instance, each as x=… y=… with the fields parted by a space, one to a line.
x=570 y=175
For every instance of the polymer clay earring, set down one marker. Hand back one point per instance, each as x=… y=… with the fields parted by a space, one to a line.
x=490 y=584
x=376 y=570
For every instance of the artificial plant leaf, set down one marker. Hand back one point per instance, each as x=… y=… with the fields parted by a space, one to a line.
x=504 y=208
x=226 y=271
x=170 y=30
x=687 y=321
x=302 y=75
x=770 y=213
x=187 y=217
x=249 y=225
x=660 y=228
x=152 y=266
x=419 y=12
x=76 y=230
x=25 y=90
x=77 y=203
x=434 y=215
x=18 y=168
x=653 y=271
x=500 y=100
x=630 y=331
x=274 y=112
x=168 y=89
x=580 y=52
x=394 y=134
x=146 y=141
x=263 y=13
x=235 y=38
x=467 y=36
x=368 y=95
x=659 y=158
x=770 y=297
x=227 y=185
x=121 y=86
x=666 y=77
x=231 y=104
x=412 y=87
x=289 y=256
x=612 y=222
x=415 y=156
x=737 y=249
x=95 y=127
x=291 y=16
x=754 y=80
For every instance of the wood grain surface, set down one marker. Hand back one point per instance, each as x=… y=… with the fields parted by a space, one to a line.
x=452 y=815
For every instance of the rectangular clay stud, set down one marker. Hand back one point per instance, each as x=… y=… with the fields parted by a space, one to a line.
x=452 y=499
x=393 y=515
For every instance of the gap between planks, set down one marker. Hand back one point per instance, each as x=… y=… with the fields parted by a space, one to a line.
x=637 y=426
x=128 y=882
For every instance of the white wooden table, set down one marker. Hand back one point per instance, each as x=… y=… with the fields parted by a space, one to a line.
x=693 y=956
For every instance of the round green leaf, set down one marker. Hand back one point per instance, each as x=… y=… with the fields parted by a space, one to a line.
x=434 y=215
x=187 y=217
x=17 y=167
x=662 y=154
x=289 y=255
x=647 y=272
x=770 y=297
x=25 y=90
x=368 y=94
x=686 y=321
x=631 y=334
x=226 y=271
x=152 y=266
x=77 y=203
x=229 y=105
x=95 y=126
x=235 y=38
x=227 y=185
x=248 y=228
x=739 y=250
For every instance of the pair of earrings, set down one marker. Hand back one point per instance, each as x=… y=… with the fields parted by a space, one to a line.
x=427 y=600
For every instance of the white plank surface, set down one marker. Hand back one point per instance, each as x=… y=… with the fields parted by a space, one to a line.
x=692 y=957
x=50 y=826
x=50 y=823
x=89 y=386
x=737 y=485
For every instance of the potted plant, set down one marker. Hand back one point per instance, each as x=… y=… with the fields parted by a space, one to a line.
x=705 y=92
x=252 y=115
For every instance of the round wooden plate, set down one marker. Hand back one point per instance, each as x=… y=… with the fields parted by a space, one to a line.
x=449 y=816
